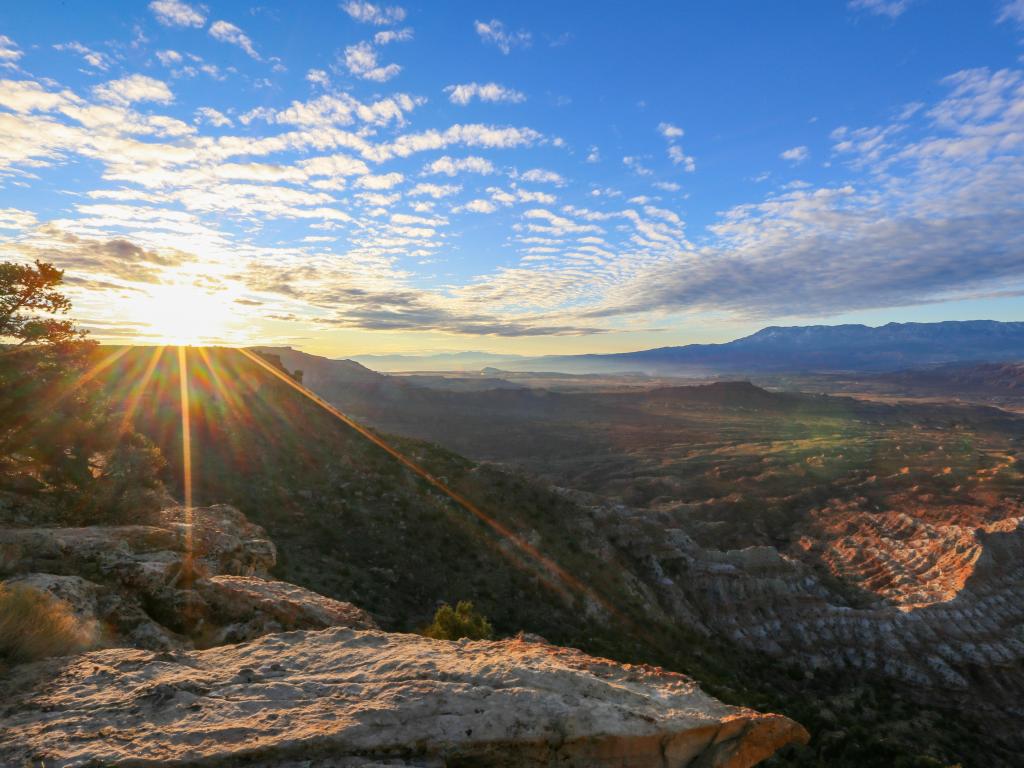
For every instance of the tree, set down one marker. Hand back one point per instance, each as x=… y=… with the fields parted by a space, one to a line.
x=28 y=293
x=462 y=621
x=48 y=425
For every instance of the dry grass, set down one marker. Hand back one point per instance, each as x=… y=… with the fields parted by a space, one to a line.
x=34 y=625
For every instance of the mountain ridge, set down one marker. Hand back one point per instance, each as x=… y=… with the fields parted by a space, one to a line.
x=851 y=347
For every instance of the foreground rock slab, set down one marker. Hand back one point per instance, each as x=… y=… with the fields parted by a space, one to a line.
x=344 y=697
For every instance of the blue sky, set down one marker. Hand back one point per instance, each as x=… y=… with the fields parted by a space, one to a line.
x=519 y=177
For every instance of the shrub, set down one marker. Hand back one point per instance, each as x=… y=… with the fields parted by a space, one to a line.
x=462 y=621
x=35 y=625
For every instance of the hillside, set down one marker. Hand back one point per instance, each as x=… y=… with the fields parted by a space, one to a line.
x=630 y=583
x=962 y=378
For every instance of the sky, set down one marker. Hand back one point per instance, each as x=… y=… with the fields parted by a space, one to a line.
x=517 y=177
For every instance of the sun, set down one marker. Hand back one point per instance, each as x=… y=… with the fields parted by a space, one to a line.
x=183 y=313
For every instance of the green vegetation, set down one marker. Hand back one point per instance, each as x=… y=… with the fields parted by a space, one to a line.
x=34 y=625
x=459 y=622
x=58 y=431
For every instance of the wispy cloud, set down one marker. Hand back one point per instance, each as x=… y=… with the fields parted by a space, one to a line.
x=924 y=206
x=213 y=117
x=1012 y=10
x=386 y=36
x=134 y=88
x=670 y=131
x=495 y=33
x=795 y=155
x=949 y=223
x=490 y=92
x=95 y=59
x=451 y=166
x=174 y=13
x=368 y=13
x=541 y=176
x=890 y=8
x=361 y=60
x=227 y=32
x=9 y=52
x=672 y=134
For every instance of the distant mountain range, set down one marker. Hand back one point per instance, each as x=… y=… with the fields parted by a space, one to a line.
x=889 y=347
x=443 y=361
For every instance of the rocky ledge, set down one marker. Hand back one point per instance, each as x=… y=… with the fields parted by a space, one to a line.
x=196 y=577
x=345 y=697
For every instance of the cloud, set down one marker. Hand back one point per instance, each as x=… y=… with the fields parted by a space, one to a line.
x=1012 y=10
x=94 y=59
x=494 y=32
x=328 y=110
x=938 y=218
x=450 y=166
x=795 y=155
x=174 y=13
x=594 y=155
x=398 y=310
x=477 y=206
x=890 y=8
x=383 y=181
x=318 y=77
x=226 y=32
x=925 y=207
x=117 y=257
x=9 y=53
x=539 y=175
x=634 y=164
x=393 y=36
x=169 y=58
x=368 y=13
x=361 y=60
x=15 y=218
x=492 y=92
x=435 y=190
x=334 y=165
x=213 y=117
x=678 y=157
x=128 y=90
x=670 y=131
x=675 y=152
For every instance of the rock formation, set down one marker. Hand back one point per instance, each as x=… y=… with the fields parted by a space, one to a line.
x=342 y=697
x=348 y=695
x=192 y=579
x=937 y=606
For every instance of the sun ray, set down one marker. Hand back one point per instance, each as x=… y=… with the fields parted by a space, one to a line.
x=566 y=583
x=186 y=446
x=95 y=370
x=139 y=389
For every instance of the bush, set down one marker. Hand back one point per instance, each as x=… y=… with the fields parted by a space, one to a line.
x=34 y=625
x=462 y=621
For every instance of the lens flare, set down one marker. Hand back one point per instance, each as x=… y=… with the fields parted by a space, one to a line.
x=186 y=446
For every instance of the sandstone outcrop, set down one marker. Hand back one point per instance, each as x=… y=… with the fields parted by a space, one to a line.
x=340 y=697
x=194 y=578
x=936 y=606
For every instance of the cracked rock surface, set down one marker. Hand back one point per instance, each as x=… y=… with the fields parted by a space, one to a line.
x=339 y=697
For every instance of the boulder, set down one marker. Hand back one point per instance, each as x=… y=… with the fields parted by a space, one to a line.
x=344 y=697
x=249 y=607
x=195 y=577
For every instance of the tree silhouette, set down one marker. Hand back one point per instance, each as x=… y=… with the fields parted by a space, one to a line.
x=28 y=301
x=51 y=423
